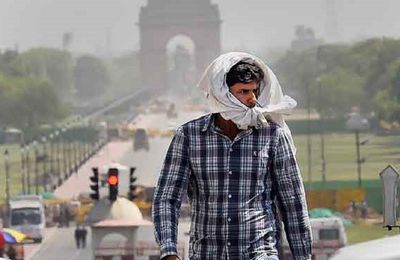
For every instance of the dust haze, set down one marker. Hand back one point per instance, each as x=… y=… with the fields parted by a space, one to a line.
x=105 y=27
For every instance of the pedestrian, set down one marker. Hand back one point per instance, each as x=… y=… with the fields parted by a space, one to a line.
x=83 y=236
x=354 y=208
x=364 y=209
x=77 y=236
x=239 y=169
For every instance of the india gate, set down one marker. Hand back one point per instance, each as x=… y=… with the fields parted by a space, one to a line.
x=178 y=39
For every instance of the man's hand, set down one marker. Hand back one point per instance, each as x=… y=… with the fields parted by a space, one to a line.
x=171 y=257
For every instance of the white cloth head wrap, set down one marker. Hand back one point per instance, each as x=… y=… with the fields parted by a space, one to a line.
x=271 y=101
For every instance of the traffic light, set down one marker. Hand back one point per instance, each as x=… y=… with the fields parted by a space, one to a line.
x=132 y=186
x=113 y=181
x=94 y=186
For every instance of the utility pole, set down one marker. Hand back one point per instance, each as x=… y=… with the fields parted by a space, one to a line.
x=36 y=169
x=358 y=157
x=44 y=164
x=7 y=169
x=309 y=152
x=28 y=170
x=23 y=168
x=321 y=133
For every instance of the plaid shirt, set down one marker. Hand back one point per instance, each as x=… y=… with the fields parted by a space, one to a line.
x=233 y=188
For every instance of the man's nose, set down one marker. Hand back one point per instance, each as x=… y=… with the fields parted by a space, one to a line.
x=252 y=99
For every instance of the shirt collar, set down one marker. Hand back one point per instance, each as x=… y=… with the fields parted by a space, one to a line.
x=209 y=119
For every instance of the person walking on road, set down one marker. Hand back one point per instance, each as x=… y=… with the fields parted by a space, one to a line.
x=239 y=169
x=77 y=236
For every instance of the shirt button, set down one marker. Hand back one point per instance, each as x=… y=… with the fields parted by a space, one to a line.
x=230 y=172
x=229 y=195
x=229 y=219
x=229 y=243
x=230 y=150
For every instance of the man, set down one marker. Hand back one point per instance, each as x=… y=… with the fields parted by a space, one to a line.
x=77 y=236
x=83 y=236
x=238 y=166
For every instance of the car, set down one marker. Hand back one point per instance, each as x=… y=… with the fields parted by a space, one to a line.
x=141 y=140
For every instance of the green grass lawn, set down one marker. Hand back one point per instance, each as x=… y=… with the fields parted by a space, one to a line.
x=15 y=167
x=361 y=232
x=340 y=154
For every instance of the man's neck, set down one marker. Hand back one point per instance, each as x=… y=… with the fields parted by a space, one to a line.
x=228 y=127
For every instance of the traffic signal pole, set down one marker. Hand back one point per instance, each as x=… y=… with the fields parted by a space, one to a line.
x=94 y=179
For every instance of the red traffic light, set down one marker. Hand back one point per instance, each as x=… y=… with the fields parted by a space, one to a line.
x=112 y=180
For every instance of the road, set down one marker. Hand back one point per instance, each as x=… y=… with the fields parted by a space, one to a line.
x=59 y=242
x=71 y=188
x=61 y=245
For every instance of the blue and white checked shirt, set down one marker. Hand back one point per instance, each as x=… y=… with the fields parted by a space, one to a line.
x=233 y=188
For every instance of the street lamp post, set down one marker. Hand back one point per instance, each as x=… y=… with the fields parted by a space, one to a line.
x=7 y=169
x=28 y=169
x=23 y=168
x=36 y=168
x=59 y=180
x=44 y=182
x=64 y=154
x=51 y=140
x=309 y=150
x=357 y=123
x=75 y=147
x=322 y=134
x=70 y=157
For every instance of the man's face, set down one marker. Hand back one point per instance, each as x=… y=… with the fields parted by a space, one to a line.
x=247 y=93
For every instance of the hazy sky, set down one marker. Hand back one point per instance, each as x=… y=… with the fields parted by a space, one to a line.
x=247 y=24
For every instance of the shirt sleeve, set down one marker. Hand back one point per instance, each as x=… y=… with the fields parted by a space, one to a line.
x=167 y=196
x=292 y=199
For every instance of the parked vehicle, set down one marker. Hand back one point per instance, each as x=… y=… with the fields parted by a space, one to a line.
x=328 y=236
x=27 y=215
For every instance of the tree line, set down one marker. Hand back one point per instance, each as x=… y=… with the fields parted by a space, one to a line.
x=43 y=85
x=334 y=78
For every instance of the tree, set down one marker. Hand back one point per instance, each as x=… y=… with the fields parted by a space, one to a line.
x=387 y=100
x=28 y=102
x=364 y=74
x=124 y=74
x=337 y=92
x=52 y=65
x=91 y=77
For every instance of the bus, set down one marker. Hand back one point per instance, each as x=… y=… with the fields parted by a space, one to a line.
x=27 y=215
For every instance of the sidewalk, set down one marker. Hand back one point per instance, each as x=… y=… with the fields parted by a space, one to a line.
x=77 y=183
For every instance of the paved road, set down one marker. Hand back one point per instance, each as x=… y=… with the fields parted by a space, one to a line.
x=77 y=183
x=148 y=163
x=59 y=244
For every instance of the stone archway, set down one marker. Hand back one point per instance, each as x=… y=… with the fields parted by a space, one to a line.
x=181 y=64
x=162 y=20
